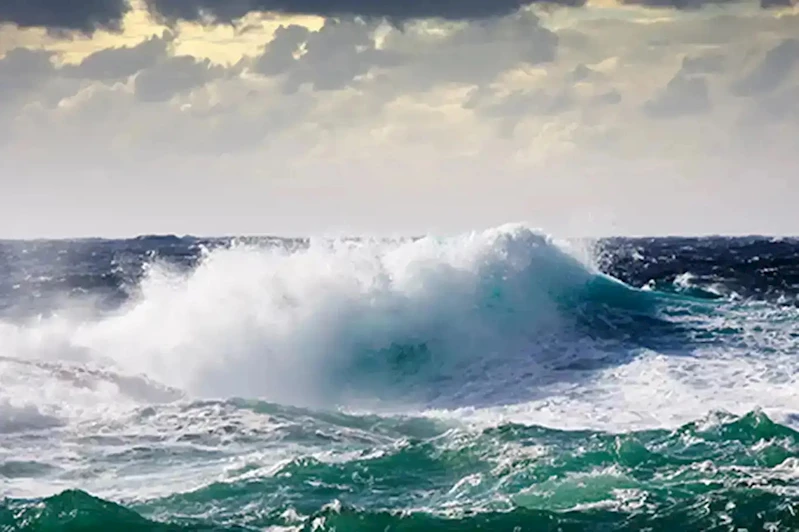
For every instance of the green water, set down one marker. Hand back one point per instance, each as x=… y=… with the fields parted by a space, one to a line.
x=720 y=473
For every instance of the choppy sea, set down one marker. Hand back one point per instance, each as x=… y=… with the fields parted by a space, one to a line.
x=496 y=380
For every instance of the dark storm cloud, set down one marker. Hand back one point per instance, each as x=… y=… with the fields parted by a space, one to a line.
x=278 y=56
x=80 y=15
x=343 y=52
x=89 y=15
x=334 y=56
x=397 y=10
x=686 y=5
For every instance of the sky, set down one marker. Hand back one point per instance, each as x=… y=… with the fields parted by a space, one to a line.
x=367 y=117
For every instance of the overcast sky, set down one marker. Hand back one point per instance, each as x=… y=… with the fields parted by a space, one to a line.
x=299 y=117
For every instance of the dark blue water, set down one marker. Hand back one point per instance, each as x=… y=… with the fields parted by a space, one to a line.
x=33 y=272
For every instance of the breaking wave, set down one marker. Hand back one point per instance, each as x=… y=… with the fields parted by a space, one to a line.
x=346 y=322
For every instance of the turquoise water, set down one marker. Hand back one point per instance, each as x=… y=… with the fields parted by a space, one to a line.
x=723 y=473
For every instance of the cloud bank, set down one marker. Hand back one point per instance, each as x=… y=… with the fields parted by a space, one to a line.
x=592 y=119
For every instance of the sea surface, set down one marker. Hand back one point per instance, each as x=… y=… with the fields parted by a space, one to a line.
x=496 y=380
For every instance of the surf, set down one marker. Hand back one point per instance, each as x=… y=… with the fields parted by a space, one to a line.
x=322 y=323
x=496 y=322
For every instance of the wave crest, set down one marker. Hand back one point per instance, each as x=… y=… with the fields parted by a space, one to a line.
x=339 y=320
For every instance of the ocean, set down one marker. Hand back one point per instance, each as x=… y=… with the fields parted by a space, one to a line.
x=497 y=380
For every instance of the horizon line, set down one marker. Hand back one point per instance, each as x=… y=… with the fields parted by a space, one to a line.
x=387 y=236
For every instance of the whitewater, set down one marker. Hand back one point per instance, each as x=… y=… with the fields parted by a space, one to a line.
x=498 y=379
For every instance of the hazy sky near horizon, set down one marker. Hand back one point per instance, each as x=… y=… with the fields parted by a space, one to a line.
x=386 y=117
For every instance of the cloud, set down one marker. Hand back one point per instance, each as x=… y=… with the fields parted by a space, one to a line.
x=111 y=64
x=515 y=113
x=408 y=60
x=679 y=4
x=159 y=75
x=331 y=59
x=582 y=73
x=22 y=71
x=173 y=76
x=396 y=10
x=510 y=78
x=88 y=16
x=84 y=15
x=611 y=97
x=518 y=104
x=765 y=4
x=780 y=107
x=278 y=55
x=472 y=54
x=510 y=110
x=683 y=95
x=691 y=5
x=703 y=64
x=772 y=71
x=687 y=92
